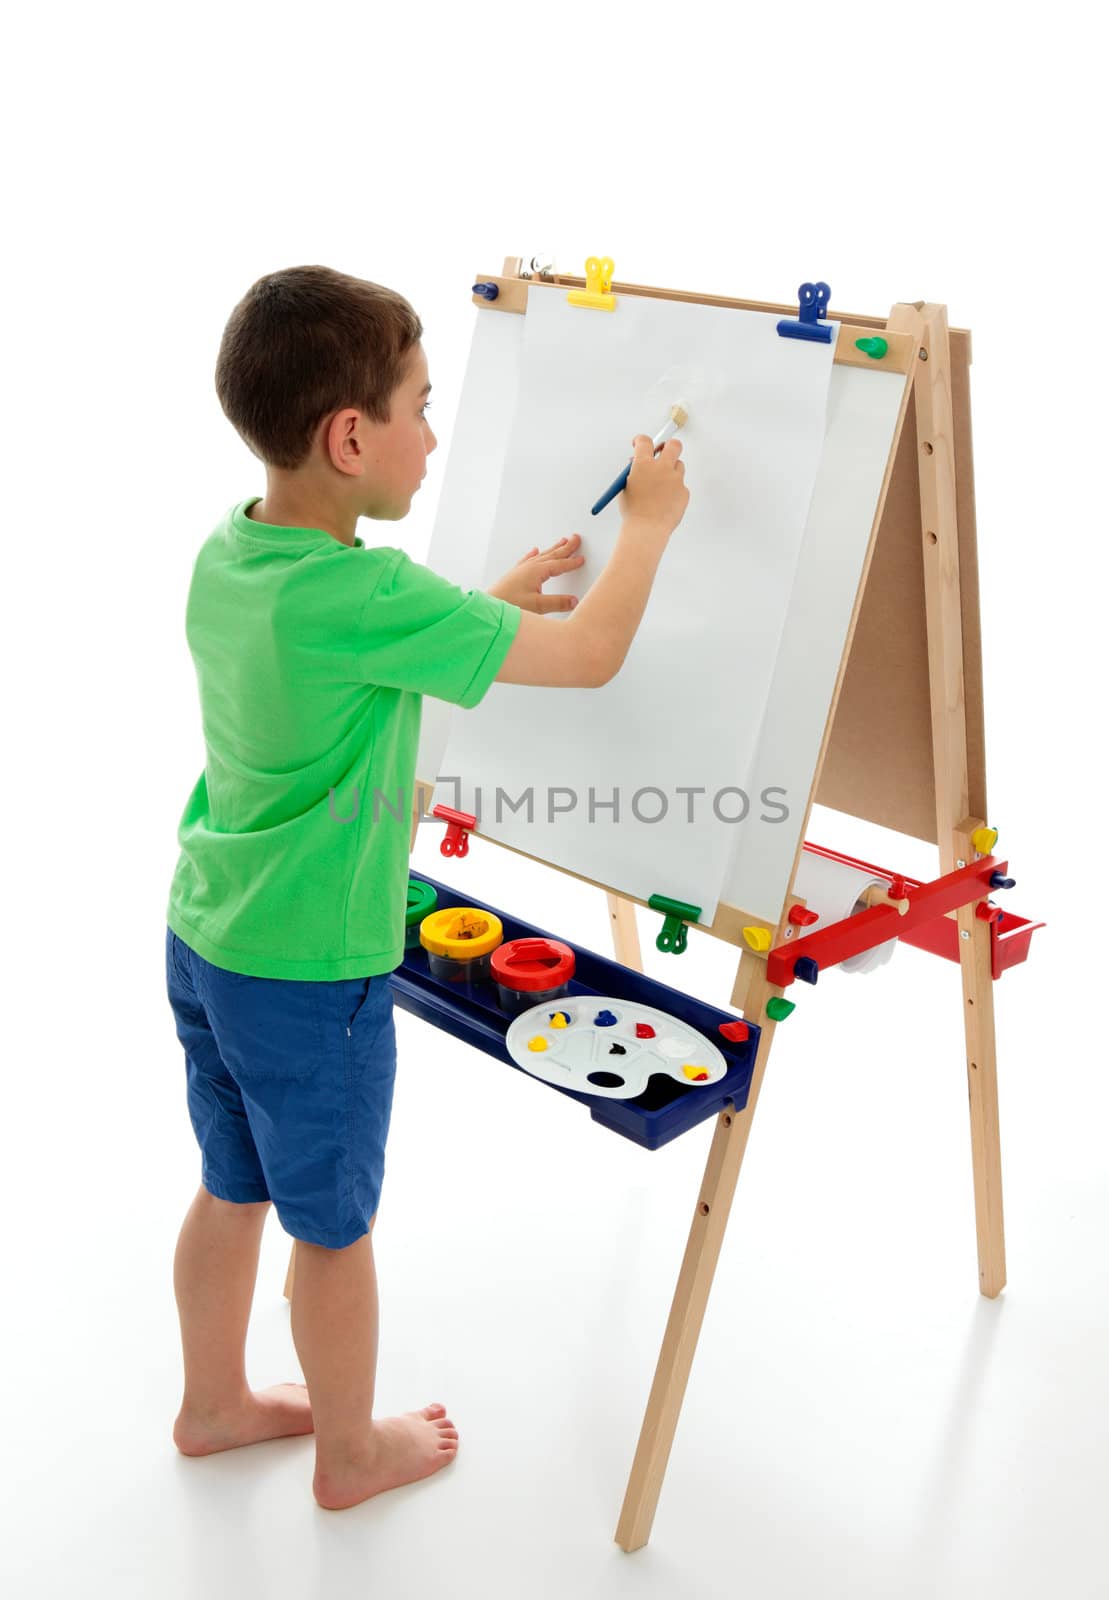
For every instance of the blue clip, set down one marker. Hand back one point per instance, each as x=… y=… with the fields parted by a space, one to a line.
x=488 y=291
x=809 y=323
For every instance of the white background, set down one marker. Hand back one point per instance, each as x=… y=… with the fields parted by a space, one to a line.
x=859 y=1422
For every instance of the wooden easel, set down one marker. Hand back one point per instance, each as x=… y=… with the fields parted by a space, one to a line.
x=912 y=666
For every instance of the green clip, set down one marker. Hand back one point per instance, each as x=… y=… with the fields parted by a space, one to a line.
x=875 y=348
x=778 y=1008
x=672 y=939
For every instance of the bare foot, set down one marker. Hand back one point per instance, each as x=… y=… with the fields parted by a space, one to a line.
x=399 y=1450
x=270 y=1414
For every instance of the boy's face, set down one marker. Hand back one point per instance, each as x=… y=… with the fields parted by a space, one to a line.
x=395 y=453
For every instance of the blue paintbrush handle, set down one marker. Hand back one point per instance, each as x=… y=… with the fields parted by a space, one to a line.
x=613 y=489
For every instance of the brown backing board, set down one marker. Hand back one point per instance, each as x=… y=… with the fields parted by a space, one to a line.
x=878 y=764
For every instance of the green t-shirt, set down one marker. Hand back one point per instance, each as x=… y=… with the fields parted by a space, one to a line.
x=311 y=657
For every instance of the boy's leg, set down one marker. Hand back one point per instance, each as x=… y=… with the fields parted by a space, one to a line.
x=334 y=1322
x=252 y=1098
x=217 y=1252
x=335 y=1328
x=214 y=1270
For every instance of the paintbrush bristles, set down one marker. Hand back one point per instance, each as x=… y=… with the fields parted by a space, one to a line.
x=679 y=415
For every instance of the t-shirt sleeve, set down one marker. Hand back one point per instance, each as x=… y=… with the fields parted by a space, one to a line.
x=421 y=632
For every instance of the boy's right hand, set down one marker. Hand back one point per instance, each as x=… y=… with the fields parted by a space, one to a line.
x=655 y=491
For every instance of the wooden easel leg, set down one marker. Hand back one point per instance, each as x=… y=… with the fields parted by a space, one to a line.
x=625 y=931
x=954 y=773
x=985 y=1129
x=702 y=1251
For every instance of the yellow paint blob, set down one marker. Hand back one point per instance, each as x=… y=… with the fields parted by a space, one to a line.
x=538 y=1043
x=698 y=1074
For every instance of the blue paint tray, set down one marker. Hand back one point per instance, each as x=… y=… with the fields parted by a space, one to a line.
x=664 y=1110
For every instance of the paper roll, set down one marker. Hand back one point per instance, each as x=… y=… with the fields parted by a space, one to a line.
x=835 y=891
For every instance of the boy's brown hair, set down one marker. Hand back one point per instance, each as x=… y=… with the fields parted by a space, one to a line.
x=302 y=343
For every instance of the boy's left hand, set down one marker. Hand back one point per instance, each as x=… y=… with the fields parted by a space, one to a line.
x=523 y=583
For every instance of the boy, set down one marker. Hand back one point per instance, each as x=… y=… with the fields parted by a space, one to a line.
x=286 y=912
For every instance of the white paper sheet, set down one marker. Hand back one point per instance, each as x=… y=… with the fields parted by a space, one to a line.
x=684 y=713
x=863 y=408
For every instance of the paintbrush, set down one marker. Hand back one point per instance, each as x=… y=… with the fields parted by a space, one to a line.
x=679 y=416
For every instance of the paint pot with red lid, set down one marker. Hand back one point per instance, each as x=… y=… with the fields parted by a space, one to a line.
x=529 y=972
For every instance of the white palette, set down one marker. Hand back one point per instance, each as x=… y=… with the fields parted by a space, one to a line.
x=584 y=1047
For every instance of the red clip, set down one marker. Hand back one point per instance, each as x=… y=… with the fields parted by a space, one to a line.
x=987 y=913
x=802 y=918
x=457 y=841
x=736 y=1030
x=896 y=890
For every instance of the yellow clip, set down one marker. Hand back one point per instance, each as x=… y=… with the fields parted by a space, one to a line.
x=757 y=938
x=983 y=840
x=598 y=286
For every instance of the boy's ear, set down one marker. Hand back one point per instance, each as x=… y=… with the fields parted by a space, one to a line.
x=341 y=441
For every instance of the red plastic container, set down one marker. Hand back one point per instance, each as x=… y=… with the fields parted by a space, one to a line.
x=529 y=972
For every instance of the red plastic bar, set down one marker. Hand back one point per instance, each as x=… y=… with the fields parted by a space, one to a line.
x=1010 y=937
x=853 y=935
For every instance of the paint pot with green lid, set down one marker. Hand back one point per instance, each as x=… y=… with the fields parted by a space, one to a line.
x=422 y=901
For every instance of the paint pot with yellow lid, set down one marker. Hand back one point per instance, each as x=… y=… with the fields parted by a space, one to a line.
x=459 y=942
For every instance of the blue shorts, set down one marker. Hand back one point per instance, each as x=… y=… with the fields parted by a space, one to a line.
x=290 y=1090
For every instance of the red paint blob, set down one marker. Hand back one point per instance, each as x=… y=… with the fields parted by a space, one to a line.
x=643 y=1030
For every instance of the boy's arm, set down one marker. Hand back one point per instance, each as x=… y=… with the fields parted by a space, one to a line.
x=588 y=648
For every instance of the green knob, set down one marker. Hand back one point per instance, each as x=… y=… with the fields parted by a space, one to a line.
x=875 y=348
x=778 y=1008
